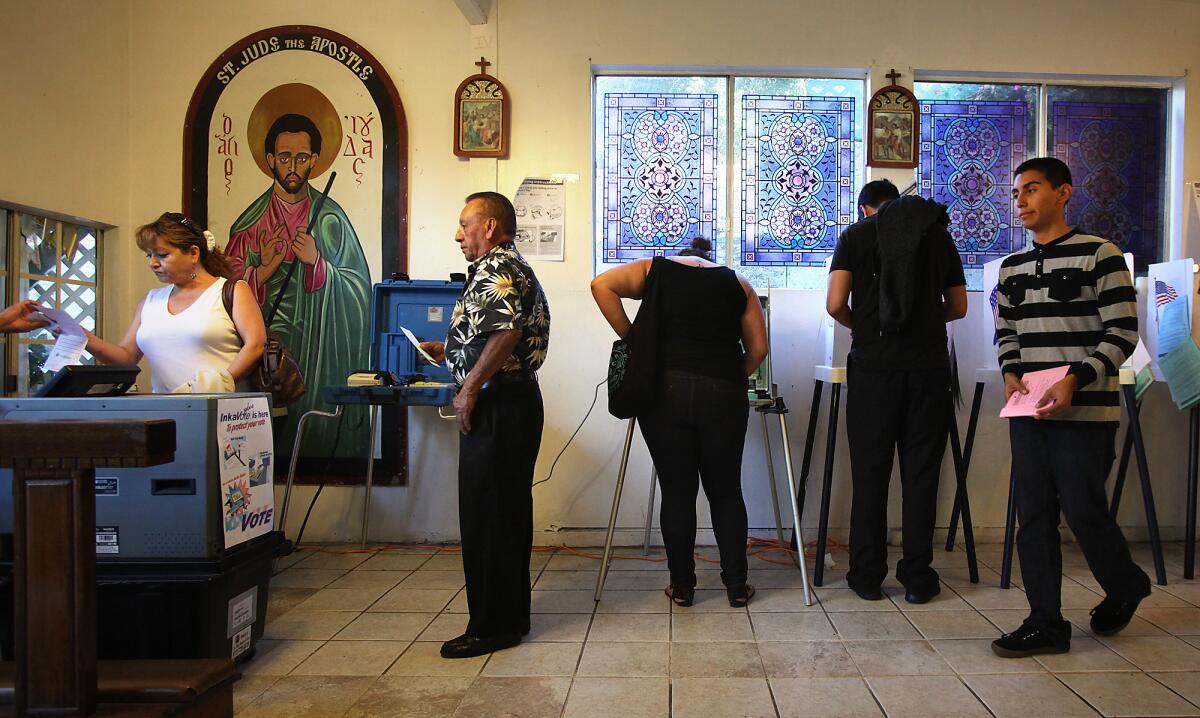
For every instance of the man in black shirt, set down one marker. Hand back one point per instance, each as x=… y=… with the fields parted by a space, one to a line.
x=895 y=281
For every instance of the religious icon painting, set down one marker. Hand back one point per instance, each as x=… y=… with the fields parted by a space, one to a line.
x=273 y=119
x=894 y=127
x=481 y=112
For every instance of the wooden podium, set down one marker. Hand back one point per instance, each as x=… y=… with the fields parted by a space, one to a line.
x=54 y=579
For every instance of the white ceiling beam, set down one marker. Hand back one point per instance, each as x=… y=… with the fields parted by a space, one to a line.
x=475 y=11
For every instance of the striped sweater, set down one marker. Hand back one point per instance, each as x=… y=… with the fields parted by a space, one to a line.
x=1070 y=301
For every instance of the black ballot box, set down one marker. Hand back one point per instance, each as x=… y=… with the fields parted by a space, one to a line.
x=167 y=585
x=196 y=608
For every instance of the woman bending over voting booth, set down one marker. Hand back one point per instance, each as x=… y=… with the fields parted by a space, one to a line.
x=193 y=344
x=711 y=337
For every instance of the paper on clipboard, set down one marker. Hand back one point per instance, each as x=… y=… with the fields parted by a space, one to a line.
x=413 y=339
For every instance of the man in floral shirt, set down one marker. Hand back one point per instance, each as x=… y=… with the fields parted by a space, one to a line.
x=497 y=341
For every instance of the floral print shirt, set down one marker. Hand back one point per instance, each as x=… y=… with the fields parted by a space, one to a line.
x=501 y=293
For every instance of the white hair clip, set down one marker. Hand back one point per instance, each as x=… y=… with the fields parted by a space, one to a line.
x=210 y=239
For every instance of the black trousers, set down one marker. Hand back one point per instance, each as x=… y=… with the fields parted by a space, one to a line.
x=695 y=434
x=495 y=506
x=888 y=410
x=1062 y=465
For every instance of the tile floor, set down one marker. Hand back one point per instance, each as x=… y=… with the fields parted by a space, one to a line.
x=357 y=634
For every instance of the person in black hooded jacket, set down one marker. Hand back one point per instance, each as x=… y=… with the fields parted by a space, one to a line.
x=895 y=280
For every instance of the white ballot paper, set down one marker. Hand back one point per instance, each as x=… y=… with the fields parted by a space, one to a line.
x=416 y=343
x=71 y=341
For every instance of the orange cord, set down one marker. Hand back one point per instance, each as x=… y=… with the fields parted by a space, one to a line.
x=756 y=547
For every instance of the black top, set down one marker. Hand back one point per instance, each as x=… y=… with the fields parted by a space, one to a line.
x=700 y=315
x=922 y=343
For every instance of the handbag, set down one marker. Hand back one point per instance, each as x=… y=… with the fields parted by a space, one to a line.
x=277 y=373
x=633 y=364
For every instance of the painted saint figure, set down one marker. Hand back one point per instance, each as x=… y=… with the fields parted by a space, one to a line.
x=325 y=307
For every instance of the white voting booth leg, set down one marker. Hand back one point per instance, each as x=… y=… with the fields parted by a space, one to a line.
x=797 y=533
x=771 y=480
x=287 y=490
x=764 y=407
x=616 y=504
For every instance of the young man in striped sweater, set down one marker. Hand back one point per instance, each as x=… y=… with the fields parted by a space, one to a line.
x=1067 y=300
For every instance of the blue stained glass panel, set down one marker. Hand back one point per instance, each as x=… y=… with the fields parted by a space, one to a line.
x=1116 y=153
x=797 y=178
x=659 y=169
x=968 y=152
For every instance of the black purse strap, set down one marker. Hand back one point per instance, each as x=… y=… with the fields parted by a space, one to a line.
x=287 y=279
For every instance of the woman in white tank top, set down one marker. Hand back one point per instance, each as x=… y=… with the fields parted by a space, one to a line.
x=182 y=328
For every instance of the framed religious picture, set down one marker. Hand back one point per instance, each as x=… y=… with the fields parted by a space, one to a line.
x=894 y=127
x=481 y=112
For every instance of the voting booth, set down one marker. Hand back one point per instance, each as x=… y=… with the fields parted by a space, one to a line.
x=404 y=313
x=183 y=549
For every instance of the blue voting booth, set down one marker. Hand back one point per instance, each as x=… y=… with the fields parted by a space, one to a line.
x=398 y=376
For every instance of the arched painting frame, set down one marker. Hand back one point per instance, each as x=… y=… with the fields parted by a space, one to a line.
x=365 y=140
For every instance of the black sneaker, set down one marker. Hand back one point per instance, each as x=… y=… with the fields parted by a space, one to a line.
x=872 y=593
x=1027 y=641
x=922 y=595
x=1111 y=616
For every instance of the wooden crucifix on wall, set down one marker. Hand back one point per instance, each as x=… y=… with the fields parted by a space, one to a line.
x=894 y=126
x=481 y=115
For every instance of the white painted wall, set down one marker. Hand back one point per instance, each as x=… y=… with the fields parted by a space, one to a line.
x=136 y=62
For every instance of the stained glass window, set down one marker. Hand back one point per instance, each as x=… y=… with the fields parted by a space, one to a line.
x=797 y=174
x=972 y=138
x=1114 y=141
x=969 y=150
x=660 y=166
x=791 y=202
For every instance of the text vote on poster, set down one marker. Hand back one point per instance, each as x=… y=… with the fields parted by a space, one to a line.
x=247 y=468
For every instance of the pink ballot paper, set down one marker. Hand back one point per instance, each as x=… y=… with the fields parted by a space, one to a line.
x=1037 y=382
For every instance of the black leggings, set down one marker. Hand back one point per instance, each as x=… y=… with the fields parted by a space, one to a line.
x=695 y=434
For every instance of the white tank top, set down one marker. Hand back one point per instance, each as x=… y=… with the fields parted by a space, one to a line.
x=178 y=345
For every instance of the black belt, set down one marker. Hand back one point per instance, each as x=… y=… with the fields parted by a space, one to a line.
x=509 y=377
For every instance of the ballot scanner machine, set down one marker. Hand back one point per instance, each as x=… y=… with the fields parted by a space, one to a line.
x=171 y=511
x=167 y=587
